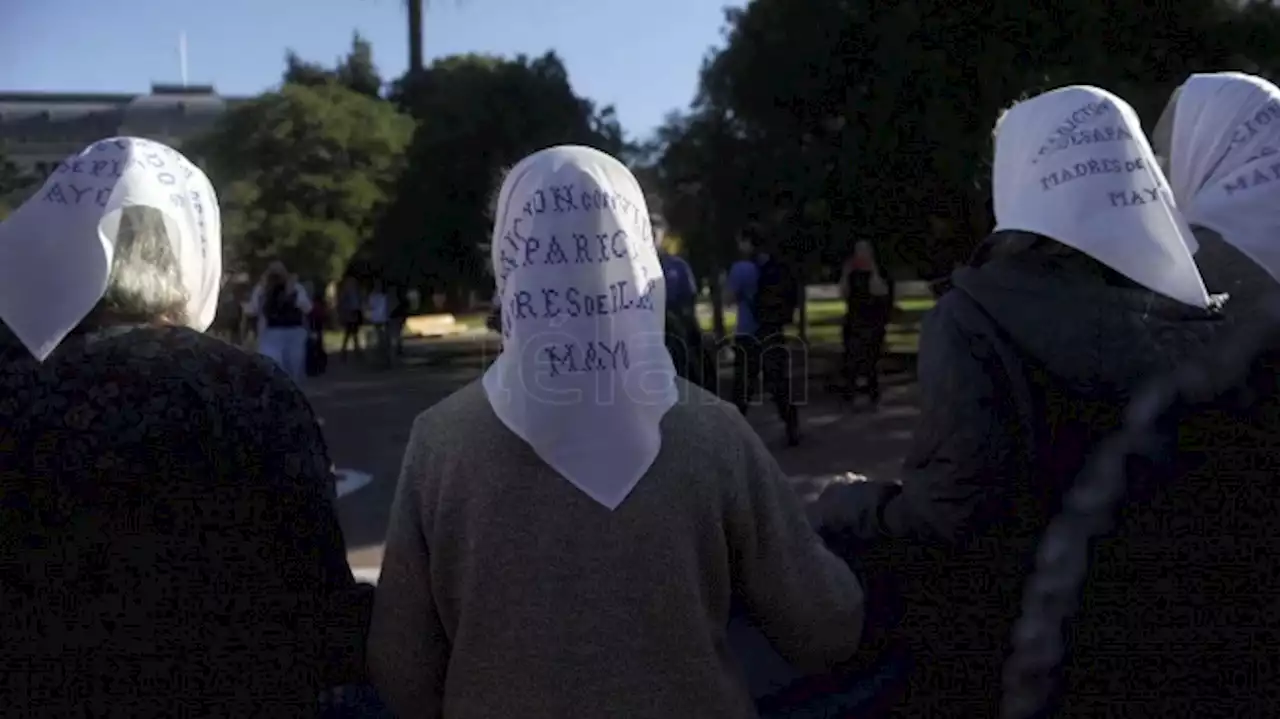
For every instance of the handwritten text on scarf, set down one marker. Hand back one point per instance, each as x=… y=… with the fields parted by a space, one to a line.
x=89 y=179
x=1105 y=166
x=520 y=249
x=1071 y=132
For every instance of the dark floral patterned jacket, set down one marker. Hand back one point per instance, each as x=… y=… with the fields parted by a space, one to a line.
x=168 y=546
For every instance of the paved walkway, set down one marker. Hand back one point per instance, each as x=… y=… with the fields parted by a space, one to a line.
x=368 y=415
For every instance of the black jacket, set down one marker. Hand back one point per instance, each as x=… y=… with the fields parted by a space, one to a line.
x=1230 y=271
x=1023 y=366
x=777 y=294
x=1168 y=553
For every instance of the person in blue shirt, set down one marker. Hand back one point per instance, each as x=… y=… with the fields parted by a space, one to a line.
x=684 y=336
x=765 y=292
x=682 y=290
x=743 y=279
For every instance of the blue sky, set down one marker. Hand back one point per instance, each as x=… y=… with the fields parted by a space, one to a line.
x=640 y=55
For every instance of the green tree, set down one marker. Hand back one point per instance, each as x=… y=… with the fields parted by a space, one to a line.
x=303 y=174
x=476 y=115
x=307 y=74
x=356 y=71
x=701 y=170
x=874 y=119
x=14 y=184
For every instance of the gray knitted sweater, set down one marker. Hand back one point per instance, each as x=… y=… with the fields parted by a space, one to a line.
x=507 y=592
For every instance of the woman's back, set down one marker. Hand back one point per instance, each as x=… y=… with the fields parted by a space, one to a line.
x=1154 y=590
x=165 y=538
x=550 y=605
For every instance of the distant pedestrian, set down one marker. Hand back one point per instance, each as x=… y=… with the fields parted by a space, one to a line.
x=317 y=323
x=377 y=312
x=868 y=296
x=684 y=335
x=281 y=305
x=351 y=314
x=397 y=316
x=767 y=295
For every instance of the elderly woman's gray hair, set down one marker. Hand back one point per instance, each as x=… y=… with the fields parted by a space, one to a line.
x=145 y=285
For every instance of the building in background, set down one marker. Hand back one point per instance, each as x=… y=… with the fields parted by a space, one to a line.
x=39 y=129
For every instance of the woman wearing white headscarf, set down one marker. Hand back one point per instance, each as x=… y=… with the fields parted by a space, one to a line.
x=569 y=532
x=166 y=538
x=1220 y=137
x=1085 y=288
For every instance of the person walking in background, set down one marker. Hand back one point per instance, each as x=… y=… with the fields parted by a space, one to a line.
x=350 y=314
x=684 y=336
x=377 y=312
x=682 y=289
x=397 y=316
x=281 y=305
x=534 y=540
x=167 y=545
x=317 y=324
x=773 y=294
x=868 y=296
x=249 y=323
x=740 y=286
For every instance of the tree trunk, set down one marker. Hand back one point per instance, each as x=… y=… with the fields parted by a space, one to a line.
x=415 y=8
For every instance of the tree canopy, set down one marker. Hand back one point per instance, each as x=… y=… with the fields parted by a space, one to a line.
x=355 y=72
x=303 y=174
x=848 y=118
x=476 y=115
x=816 y=122
x=331 y=177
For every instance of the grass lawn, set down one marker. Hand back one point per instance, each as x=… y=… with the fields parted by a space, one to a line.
x=466 y=320
x=826 y=316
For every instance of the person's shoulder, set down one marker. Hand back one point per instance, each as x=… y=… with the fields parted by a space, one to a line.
x=955 y=306
x=461 y=414
x=710 y=446
x=957 y=322
x=704 y=420
x=201 y=360
x=196 y=375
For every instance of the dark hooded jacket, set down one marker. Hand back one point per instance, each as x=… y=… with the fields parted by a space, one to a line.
x=1229 y=271
x=1023 y=366
x=1168 y=553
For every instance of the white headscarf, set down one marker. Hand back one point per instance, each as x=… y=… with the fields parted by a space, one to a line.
x=1074 y=165
x=1224 y=161
x=584 y=376
x=56 y=250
